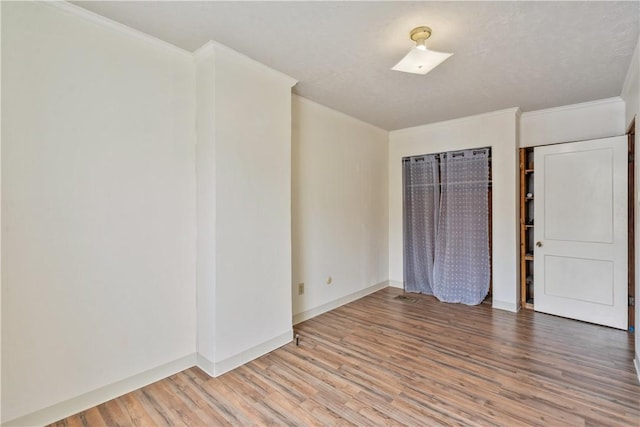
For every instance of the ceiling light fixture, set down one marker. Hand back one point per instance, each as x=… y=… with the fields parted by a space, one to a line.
x=420 y=60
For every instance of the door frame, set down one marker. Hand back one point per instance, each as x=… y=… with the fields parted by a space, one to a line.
x=631 y=132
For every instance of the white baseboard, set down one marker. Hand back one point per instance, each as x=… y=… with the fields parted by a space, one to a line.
x=636 y=363
x=396 y=284
x=205 y=364
x=503 y=305
x=103 y=394
x=308 y=314
x=215 y=369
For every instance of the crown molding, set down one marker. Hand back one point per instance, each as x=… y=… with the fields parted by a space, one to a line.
x=212 y=46
x=314 y=104
x=204 y=51
x=588 y=104
x=199 y=54
x=113 y=25
x=507 y=111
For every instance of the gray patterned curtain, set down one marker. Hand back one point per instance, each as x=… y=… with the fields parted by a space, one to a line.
x=446 y=226
x=422 y=199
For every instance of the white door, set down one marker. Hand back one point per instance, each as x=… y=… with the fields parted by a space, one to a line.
x=580 y=230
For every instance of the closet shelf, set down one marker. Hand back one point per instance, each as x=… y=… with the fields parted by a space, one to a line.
x=526 y=226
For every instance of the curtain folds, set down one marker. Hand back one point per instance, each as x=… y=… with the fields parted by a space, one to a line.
x=446 y=226
x=422 y=195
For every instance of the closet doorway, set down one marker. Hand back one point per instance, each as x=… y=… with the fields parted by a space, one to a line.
x=447 y=225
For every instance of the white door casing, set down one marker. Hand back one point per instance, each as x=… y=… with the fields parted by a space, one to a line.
x=580 y=211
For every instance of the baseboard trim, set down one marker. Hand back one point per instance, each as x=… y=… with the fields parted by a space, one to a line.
x=205 y=364
x=636 y=363
x=308 y=314
x=396 y=284
x=93 y=398
x=252 y=353
x=503 y=305
x=216 y=369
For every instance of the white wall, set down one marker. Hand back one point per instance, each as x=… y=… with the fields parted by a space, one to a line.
x=496 y=130
x=340 y=208
x=631 y=96
x=98 y=207
x=206 y=209
x=250 y=179
x=576 y=122
x=0 y=226
x=631 y=89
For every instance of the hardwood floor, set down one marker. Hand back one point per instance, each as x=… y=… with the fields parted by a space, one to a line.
x=387 y=361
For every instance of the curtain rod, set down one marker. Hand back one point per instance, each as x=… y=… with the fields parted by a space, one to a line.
x=454 y=154
x=489 y=182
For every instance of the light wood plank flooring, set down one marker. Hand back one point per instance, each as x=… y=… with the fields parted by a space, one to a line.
x=386 y=361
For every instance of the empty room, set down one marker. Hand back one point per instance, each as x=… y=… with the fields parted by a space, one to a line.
x=319 y=213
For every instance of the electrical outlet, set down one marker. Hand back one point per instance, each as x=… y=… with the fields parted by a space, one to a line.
x=300 y=288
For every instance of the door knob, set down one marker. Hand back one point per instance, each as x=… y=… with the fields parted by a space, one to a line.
x=539 y=244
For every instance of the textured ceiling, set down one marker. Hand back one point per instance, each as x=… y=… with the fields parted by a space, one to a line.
x=529 y=54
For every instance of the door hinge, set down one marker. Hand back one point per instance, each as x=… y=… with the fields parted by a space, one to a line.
x=632 y=302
